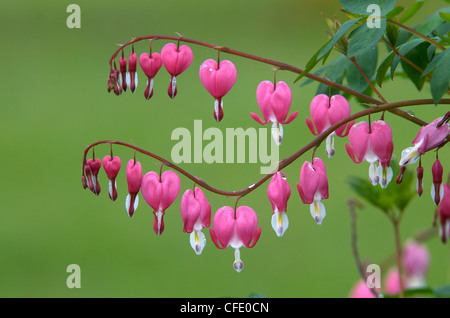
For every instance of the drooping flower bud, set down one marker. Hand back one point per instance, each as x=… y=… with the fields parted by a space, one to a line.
x=123 y=72
x=134 y=179
x=132 y=62
x=444 y=214
x=91 y=170
x=419 y=180
x=437 y=189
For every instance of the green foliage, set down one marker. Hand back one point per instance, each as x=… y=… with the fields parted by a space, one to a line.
x=421 y=59
x=394 y=196
x=360 y=7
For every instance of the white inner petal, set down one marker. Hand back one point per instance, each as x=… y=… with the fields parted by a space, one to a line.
x=410 y=155
x=330 y=145
x=198 y=241
x=280 y=223
x=238 y=265
x=384 y=175
x=318 y=212
x=373 y=177
x=277 y=132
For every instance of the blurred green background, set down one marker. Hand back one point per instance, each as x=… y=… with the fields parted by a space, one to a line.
x=54 y=102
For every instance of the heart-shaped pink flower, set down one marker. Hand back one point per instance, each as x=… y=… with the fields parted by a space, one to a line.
x=218 y=80
x=176 y=60
x=274 y=103
x=326 y=112
x=91 y=170
x=134 y=180
x=235 y=230
x=150 y=65
x=132 y=63
x=160 y=193
x=112 y=167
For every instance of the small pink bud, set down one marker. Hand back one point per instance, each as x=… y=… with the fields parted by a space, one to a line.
x=123 y=72
x=176 y=60
x=218 y=80
x=91 y=169
x=132 y=61
x=150 y=66
x=159 y=193
x=112 y=167
x=134 y=179
x=419 y=180
x=392 y=282
x=437 y=189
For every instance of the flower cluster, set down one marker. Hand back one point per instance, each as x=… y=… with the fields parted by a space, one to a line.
x=415 y=262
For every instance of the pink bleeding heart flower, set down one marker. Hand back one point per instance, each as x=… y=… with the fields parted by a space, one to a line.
x=374 y=145
x=160 y=192
x=235 y=229
x=392 y=282
x=416 y=261
x=437 y=189
x=123 y=72
x=274 y=102
x=360 y=290
x=112 y=167
x=150 y=65
x=326 y=112
x=313 y=187
x=132 y=64
x=428 y=137
x=176 y=60
x=134 y=180
x=196 y=214
x=444 y=214
x=218 y=80
x=279 y=192
x=91 y=169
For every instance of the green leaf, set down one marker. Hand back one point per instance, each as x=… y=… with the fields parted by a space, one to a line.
x=419 y=56
x=403 y=50
x=311 y=63
x=442 y=291
x=441 y=77
x=360 y=6
x=342 y=30
x=395 y=195
x=445 y=16
x=365 y=38
x=412 y=10
x=392 y=32
x=335 y=72
x=434 y=62
x=382 y=69
x=394 y=12
x=367 y=61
